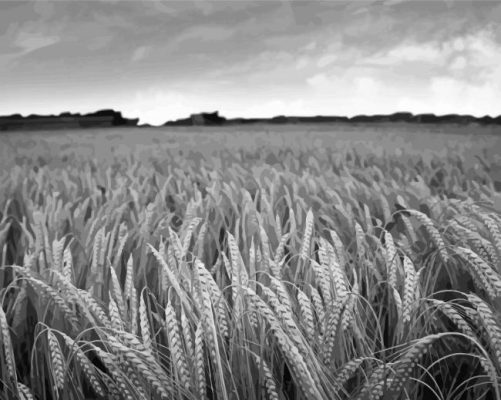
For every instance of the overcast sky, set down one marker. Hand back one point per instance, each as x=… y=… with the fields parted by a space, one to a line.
x=161 y=60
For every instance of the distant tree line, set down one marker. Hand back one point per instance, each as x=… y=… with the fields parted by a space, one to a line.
x=112 y=118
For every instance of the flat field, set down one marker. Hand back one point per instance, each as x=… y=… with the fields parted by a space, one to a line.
x=103 y=145
x=260 y=262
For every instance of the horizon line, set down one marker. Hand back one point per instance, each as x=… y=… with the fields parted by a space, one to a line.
x=217 y=112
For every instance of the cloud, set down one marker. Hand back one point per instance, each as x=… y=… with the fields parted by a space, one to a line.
x=326 y=60
x=475 y=48
x=412 y=52
x=140 y=53
x=319 y=81
x=205 y=33
x=367 y=86
x=28 y=41
x=302 y=62
x=354 y=83
x=458 y=63
x=261 y=67
x=23 y=38
x=449 y=95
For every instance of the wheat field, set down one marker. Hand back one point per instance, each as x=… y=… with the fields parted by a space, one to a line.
x=273 y=263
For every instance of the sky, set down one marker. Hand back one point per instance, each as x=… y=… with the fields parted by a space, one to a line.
x=163 y=60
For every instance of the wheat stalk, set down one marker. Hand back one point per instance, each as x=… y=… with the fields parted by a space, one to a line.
x=200 y=363
x=6 y=343
x=56 y=361
x=433 y=232
x=175 y=344
x=308 y=231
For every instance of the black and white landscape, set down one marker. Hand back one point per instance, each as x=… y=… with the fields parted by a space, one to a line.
x=234 y=200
